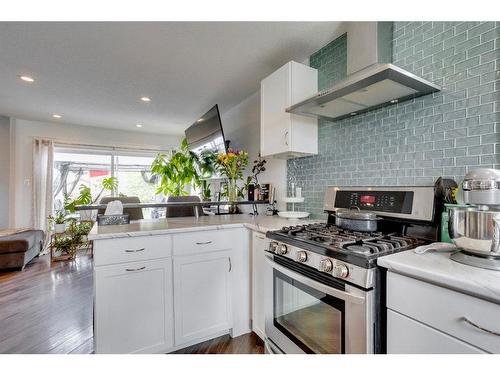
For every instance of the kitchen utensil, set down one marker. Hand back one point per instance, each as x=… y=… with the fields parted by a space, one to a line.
x=357 y=220
x=475 y=231
x=445 y=218
x=441 y=247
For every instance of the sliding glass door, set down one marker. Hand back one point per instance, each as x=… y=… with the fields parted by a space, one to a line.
x=74 y=167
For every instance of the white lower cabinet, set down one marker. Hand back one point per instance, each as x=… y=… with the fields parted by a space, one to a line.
x=133 y=310
x=405 y=336
x=258 y=285
x=426 y=318
x=157 y=294
x=202 y=290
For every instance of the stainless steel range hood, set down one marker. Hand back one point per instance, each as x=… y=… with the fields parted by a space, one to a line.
x=377 y=84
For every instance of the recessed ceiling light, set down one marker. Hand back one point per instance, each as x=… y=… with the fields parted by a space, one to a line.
x=26 y=78
x=138 y=125
x=55 y=115
x=145 y=99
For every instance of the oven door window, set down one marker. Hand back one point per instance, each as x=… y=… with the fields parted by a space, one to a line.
x=312 y=320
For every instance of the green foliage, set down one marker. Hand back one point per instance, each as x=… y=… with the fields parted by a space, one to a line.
x=110 y=183
x=82 y=228
x=65 y=244
x=69 y=242
x=85 y=195
x=206 y=193
x=58 y=218
x=182 y=169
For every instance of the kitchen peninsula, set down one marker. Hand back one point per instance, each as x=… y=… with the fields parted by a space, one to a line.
x=161 y=285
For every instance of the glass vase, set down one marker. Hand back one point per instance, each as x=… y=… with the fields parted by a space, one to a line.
x=232 y=190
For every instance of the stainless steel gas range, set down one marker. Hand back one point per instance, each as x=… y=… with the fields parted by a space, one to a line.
x=326 y=293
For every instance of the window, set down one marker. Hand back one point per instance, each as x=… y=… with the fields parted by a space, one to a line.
x=88 y=166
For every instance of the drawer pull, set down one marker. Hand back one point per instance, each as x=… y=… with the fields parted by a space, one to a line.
x=135 y=251
x=230 y=264
x=466 y=320
x=203 y=243
x=135 y=269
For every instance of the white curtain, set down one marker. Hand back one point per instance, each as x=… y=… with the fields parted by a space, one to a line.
x=43 y=157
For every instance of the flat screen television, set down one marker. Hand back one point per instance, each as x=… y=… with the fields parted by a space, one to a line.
x=206 y=133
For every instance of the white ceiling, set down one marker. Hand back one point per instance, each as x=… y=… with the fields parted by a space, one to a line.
x=94 y=73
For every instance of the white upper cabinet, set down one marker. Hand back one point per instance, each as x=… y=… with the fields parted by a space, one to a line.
x=282 y=134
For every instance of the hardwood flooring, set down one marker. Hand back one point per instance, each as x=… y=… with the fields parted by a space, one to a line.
x=47 y=308
x=245 y=344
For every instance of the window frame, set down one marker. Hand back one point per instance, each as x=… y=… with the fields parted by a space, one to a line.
x=112 y=152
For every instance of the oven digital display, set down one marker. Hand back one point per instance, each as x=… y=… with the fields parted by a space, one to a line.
x=400 y=202
x=367 y=199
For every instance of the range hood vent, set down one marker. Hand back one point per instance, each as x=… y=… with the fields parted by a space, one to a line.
x=375 y=86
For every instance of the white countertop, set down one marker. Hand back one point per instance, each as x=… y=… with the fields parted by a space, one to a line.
x=138 y=228
x=437 y=268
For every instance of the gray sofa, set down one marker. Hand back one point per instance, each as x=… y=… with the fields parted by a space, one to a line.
x=17 y=250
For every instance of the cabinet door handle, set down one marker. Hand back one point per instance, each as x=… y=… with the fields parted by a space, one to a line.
x=475 y=325
x=230 y=264
x=135 y=251
x=286 y=138
x=261 y=237
x=203 y=243
x=135 y=269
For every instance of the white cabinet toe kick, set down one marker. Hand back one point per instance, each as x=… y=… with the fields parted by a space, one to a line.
x=161 y=293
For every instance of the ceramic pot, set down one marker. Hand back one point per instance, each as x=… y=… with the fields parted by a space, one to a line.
x=59 y=228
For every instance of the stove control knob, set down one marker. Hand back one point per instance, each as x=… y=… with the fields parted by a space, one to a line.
x=283 y=249
x=301 y=256
x=326 y=265
x=273 y=246
x=341 y=271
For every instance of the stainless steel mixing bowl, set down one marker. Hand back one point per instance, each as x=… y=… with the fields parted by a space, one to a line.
x=476 y=231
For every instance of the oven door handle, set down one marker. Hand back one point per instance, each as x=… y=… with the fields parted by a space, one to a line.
x=348 y=297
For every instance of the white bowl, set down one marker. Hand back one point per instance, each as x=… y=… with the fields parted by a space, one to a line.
x=293 y=214
x=292 y=199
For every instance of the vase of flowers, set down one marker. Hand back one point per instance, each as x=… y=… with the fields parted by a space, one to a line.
x=231 y=165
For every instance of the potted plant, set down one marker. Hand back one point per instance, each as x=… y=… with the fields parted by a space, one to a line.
x=177 y=172
x=80 y=231
x=65 y=245
x=206 y=192
x=206 y=167
x=259 y=166
x=59 y=221
x=182 y=169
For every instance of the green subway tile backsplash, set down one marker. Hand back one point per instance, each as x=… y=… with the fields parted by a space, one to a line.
x=331 y=62
x=412 y=143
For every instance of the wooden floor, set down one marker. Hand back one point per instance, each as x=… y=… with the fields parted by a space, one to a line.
x=245 y=344
x=48 y=309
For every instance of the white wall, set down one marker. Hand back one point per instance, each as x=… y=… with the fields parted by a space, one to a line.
x=22 y=133
x=4 y=171
x=242 y=127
